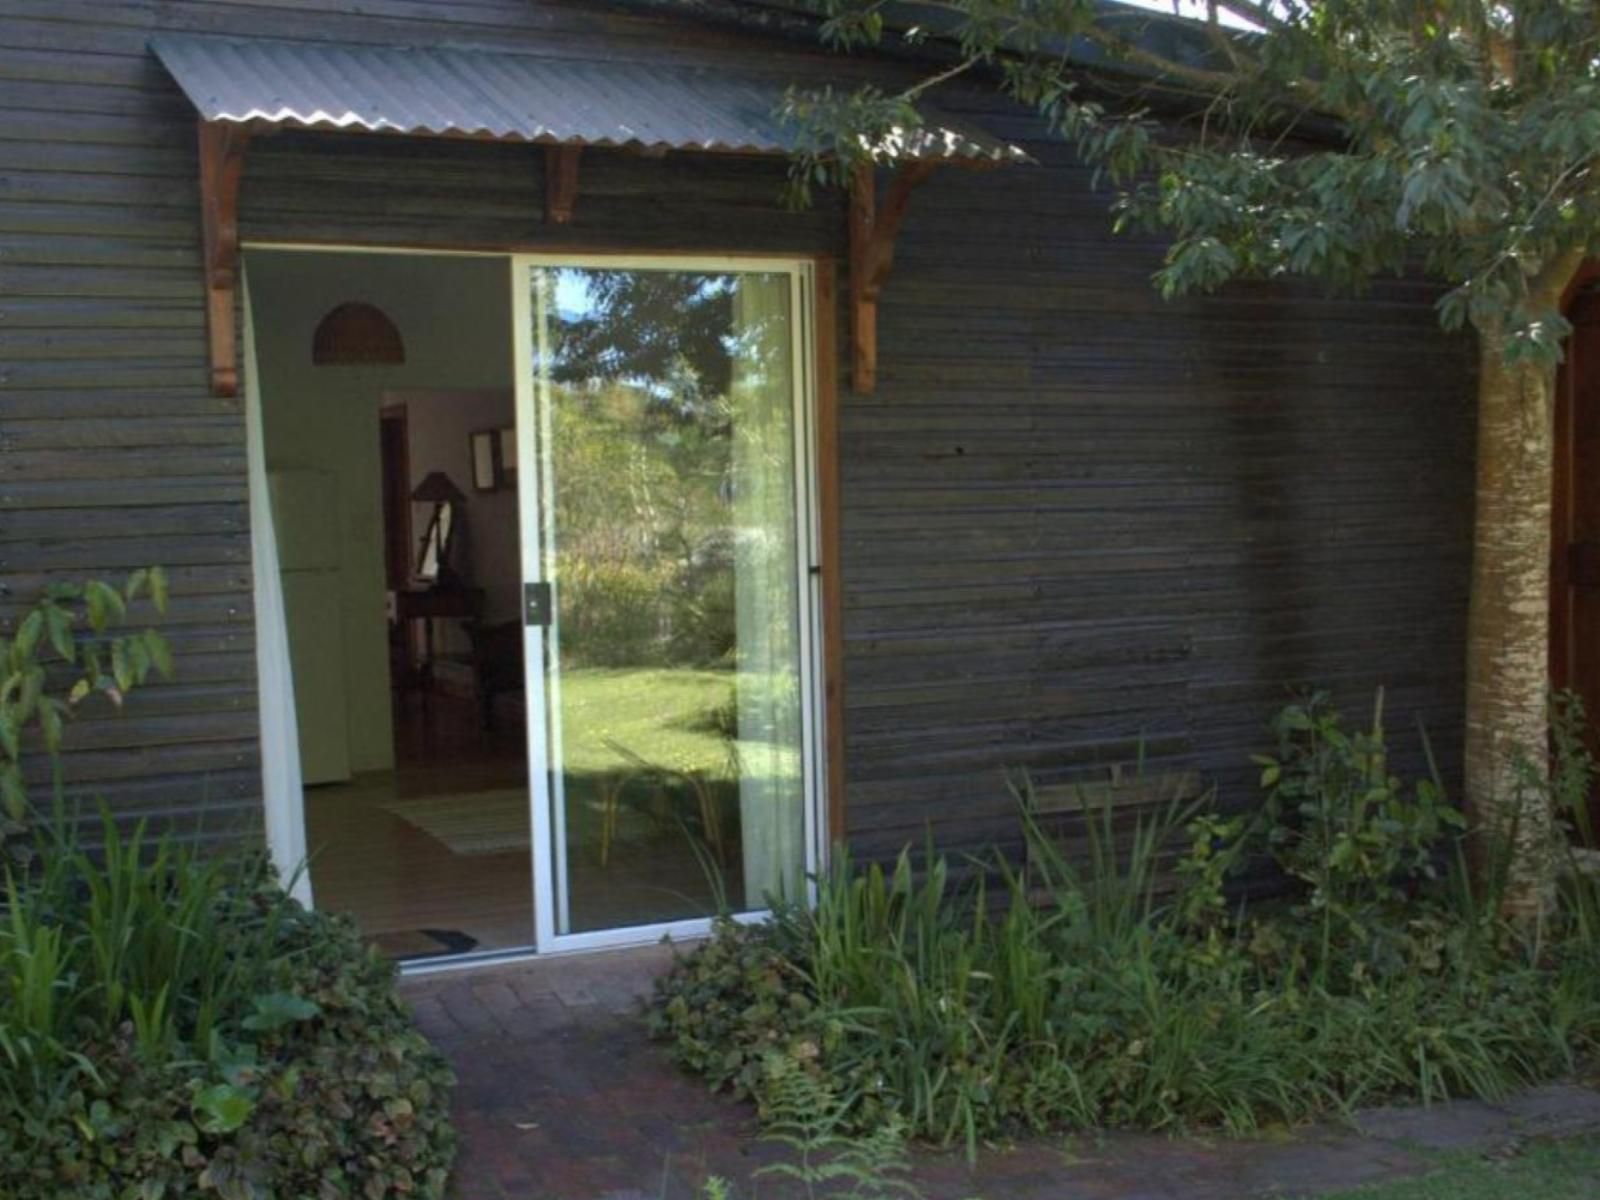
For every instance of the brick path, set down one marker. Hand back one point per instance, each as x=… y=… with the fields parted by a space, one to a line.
x=561 y=1097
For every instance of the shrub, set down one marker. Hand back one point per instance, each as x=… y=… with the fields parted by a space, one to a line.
x=64 y=650
x=733 y=1003
x=1337 y=821
x=1385 y=974
x=174 y=1025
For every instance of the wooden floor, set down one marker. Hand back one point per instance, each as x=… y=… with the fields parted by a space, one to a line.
x=416 y=897
x=399 y=881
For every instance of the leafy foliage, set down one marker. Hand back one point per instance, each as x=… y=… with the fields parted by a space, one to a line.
x=63 y=651
x=663 y=325
x=733 y=1003
x=644 y=438
x=806 y=1117
x=174 y=1025
x=1128 y=990
x=1338 y=139
x=809 y=1121
x=1339 y=822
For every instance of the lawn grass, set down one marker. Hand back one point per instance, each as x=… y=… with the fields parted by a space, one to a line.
x=651 y=745
x=1547 y=1171
x=617 y=719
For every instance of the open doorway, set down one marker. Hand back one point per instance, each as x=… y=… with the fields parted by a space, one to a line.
x=544 y=539
x=400 y=578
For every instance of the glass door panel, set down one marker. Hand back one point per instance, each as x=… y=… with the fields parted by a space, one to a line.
x=670 y=539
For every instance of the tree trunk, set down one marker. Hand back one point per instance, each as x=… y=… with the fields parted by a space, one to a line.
x=1508 y=627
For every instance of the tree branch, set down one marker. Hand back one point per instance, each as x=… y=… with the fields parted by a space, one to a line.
x=961 y=68
x=1159 y=63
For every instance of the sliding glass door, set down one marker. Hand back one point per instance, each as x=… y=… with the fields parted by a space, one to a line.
x=668 y=590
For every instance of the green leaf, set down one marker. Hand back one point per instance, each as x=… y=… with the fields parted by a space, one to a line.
x=222 y=1108
x=13 y=794
x=172 y=1135
x=50 y=711
x=32 y=683
x=160 y=652
x=138 y=658
x=58 y=623
x=28 y=635
x=158 y=588
x=277 y=1009
x=105 y=605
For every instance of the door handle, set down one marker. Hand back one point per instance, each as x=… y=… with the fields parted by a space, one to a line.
x=538 y=604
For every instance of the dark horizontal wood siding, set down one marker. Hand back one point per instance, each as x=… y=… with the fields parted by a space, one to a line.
x=1075 y=517
x=1085 y=526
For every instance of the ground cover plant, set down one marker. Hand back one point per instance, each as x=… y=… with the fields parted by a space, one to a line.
x=175 y=1025
x=172 y=1023
x=1134 y=989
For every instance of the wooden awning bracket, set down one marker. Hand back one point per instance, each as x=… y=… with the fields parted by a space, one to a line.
x=222 y=145
x=560 y=183
x=873 y=228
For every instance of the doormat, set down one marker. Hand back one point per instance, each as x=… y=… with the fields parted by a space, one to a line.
x=493 y=822
x=422 y=943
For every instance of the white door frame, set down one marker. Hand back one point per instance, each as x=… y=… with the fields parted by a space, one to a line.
x=534 y=499
x=283 y=803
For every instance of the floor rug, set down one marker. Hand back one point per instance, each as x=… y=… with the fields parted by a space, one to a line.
x=493 y=822
x=422 y=943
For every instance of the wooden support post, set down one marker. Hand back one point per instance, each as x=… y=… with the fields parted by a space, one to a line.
x=560 y=183
x=873 y=228
x=222 y=145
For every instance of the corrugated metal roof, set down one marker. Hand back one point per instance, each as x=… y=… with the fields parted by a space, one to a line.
x=451 y=91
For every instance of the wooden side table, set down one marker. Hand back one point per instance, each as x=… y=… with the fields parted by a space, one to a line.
x=429 y=605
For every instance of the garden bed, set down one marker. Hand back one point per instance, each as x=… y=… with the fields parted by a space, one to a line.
x=1092 y=998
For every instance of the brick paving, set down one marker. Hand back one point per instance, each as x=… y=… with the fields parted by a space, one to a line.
x=562 y=1097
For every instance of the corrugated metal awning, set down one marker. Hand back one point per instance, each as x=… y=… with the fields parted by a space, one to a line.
x=464 y=92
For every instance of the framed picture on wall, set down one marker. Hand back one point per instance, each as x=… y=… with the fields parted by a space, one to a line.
x=486 y=468
x=508 y=456
x=494 y=458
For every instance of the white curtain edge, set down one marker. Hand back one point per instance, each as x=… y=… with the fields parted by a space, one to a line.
x=281 y=790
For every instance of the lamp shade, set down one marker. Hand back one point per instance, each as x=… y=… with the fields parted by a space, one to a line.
x=436 y=488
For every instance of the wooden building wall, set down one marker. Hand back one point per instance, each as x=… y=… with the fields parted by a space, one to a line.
x=1075 y=518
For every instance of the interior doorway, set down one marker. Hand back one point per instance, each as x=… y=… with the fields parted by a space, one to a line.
x=546 y=552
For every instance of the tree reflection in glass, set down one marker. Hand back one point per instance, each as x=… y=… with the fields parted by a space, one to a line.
x=669 y=416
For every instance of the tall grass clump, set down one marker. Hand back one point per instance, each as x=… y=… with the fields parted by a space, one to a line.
x=173 y=1024
x=1127 y=984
